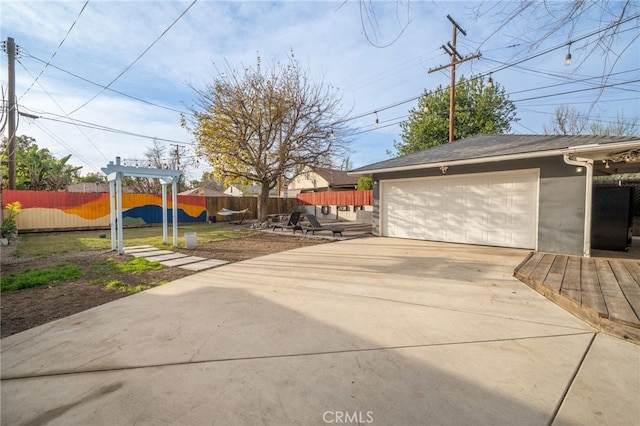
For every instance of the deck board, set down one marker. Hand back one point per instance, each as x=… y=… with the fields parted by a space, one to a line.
x=604 y=292
x=571 y=281
x=527 y=268
x=556 y=273
x=591 y=292
x=617 y=303
x=542 y=268
x=628 y=286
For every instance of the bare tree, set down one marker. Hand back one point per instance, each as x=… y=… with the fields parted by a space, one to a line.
x=570 y=121
x=621 y=127
x=260 y=125
x=566 y=121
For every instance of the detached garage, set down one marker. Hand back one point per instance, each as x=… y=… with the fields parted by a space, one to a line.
x=520 y=191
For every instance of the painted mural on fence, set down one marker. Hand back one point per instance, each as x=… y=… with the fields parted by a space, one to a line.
x=68 y=210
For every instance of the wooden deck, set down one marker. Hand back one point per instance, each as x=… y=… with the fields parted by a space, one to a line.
x=605 y=292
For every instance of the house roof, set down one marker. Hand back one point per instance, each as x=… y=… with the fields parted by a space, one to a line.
x=204 y=191
x=487 y=148
x=210 y=188
x=336 y=178
x=93 y=187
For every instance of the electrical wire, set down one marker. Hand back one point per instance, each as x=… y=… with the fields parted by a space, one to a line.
x=576 y=91
x=94 y=126
x=506 y=66
x=137 y=59
x=110 y=89
x=56 y=51
x=64 y=145
x=63 y=111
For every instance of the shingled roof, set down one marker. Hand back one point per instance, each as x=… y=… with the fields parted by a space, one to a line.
x=491 y=147
x=336 y=178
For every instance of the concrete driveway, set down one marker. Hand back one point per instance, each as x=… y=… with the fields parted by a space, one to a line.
x=373 y=330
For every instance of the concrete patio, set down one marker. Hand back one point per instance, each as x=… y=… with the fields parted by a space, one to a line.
x=371 y=330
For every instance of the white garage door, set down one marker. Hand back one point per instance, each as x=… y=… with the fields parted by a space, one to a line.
x=497 y=209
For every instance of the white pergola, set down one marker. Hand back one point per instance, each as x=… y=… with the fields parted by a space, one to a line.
x=115 y=173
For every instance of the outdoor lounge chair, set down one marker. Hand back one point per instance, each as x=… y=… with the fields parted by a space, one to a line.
x=316 y=226
x=292 y=223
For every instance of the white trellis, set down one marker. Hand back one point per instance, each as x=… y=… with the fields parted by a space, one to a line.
x=115 y=173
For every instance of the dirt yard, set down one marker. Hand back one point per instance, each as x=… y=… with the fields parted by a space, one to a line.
x=24 y=309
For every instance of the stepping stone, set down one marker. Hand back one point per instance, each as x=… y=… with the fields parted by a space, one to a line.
x=151 y=253
x=162 y=257
x=199 y=266
x=136 y=249
x=182 y=261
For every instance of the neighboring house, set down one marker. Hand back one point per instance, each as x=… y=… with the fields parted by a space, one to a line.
x=523 y=191
x=209 y=189
x=94 y=187
x=246 y=191
x=318 y=179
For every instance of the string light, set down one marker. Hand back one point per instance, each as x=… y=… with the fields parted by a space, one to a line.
x=567 y=59
x=490 y=82
x=377 y=122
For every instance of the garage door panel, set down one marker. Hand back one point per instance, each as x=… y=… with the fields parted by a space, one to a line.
x=488 y=208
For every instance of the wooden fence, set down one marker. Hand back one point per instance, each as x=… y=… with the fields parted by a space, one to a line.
x=337 y=198
x=275 y=205
x=48 y=211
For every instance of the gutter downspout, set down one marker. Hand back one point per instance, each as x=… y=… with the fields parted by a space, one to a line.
x=588 y=164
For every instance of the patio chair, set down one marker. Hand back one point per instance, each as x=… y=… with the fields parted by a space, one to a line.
x=316 y=226
x=292 y=223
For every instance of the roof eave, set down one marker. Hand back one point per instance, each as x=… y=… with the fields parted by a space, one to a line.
x=493 y=159
x=573 y=150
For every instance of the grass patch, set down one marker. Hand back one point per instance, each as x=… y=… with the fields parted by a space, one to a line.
x=47 y=243
x=39 y=277
x=139 y=265
x=124 y=288
x=103 y=271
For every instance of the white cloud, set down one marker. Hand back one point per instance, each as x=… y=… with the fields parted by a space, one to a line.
x=327 y=38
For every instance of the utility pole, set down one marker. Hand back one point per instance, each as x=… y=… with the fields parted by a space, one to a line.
x=456 y=58
x=11 y=110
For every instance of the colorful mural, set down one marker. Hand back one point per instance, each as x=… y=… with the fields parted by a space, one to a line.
x=68 y=210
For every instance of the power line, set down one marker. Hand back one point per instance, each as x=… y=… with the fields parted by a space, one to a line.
x=61 y=142
x=577 y=91
x=56 y=51
x=509 y=65
x=110 y=89
x=62 y=109
x=94 y=126
x=138 y=58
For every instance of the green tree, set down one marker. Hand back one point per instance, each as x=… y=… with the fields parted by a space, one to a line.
x=61 y=174
x=260 y=125
x=478 y=110
x=36 y=168
x=91 y=178
x=365 y=183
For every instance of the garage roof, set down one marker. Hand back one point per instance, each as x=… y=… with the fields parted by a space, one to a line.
x=488 y=148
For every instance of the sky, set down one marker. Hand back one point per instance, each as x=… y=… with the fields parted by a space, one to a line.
x=152 y=54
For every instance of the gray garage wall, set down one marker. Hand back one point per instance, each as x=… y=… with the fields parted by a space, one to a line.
x=561 y=202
